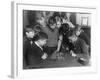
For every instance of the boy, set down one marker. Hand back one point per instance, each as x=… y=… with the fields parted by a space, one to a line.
x=80 y=33
x=27 y=42
x=52 y=31
x=80 y=49
x=35 y=55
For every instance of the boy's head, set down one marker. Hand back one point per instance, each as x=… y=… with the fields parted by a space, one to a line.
x=41 y=38
x=57 y=18
x=29 y=32
x=65 y=28
x=63 y=14
x=72 y=38
x=52 y=23
x=37 y=28
x=56 y=14
x=78 y=30
x=58 y=23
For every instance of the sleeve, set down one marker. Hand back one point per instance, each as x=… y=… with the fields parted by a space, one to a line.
x=25 y=47
x=61 y=30
x=85 y=49
x=85 y=37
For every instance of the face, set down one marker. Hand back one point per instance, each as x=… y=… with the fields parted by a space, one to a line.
x=52 y=26
x=30 y=34
x=58 y=24
x=64 y=20
x=42 y=42
x=72 y=38
x=41 y=20
x=78 y=32
x=57 y=18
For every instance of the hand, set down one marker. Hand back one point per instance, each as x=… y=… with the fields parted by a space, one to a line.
x=44 y=56
x=73 y=54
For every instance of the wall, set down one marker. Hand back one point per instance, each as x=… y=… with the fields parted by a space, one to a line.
x=25 y=18
x=79 y=18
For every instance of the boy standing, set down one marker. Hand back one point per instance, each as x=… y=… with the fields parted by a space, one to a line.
x=52 y=31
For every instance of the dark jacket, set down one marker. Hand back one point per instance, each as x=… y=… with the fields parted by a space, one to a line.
x=81 y=49
x=65 y=31
x=85 y=37
x=34 y=55
x=26 y=48
x=80 y=46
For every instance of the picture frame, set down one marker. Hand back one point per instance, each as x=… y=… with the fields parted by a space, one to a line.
x=17 y=70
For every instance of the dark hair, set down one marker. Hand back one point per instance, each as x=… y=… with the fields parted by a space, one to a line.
x=28 y=29
x=29 y=26
x=65 y=27
x=56 y=14
x=77 y=28
x=63 y=14
x=40 y=35
x=37 y=28
x=52 y=20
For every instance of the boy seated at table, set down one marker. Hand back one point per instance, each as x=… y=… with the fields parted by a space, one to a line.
x=80 y=50
x=35 y=55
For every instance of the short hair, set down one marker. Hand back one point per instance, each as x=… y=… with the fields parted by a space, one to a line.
x=65 y=27
x=28 y=29
x=56 y=14
x=37 y=28
x=40 y=35
x=77 y=28
x=52 y=20
x=63 y=14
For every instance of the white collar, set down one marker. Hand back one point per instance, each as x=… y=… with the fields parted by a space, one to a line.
x=38 y=45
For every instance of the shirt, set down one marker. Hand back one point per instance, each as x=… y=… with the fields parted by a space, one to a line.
x=38 y=45
x=52 y=36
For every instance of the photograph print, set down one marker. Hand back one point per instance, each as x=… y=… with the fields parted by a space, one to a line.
x=56 y=39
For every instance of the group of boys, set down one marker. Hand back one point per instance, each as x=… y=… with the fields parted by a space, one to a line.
x=48 y=39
